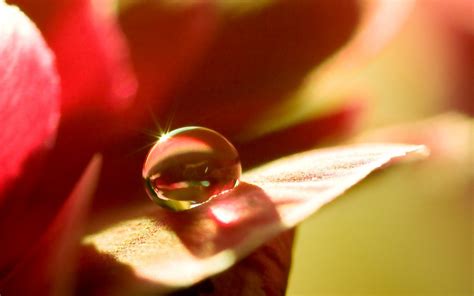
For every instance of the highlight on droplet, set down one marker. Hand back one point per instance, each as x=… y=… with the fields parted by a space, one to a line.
x=189 y=166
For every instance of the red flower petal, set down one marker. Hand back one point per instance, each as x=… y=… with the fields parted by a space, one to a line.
x=168 y=250
x=90 y=59
x=165 y=43
x=29 y=93
x=299 y=137
x=48 y=268
x=325 y=86
x=205 y=65
x=453 y=24
x=91 y=56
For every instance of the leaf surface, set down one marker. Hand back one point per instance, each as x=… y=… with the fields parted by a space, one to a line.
x=171 y=250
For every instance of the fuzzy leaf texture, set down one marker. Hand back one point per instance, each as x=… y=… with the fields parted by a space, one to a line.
x=164 y=251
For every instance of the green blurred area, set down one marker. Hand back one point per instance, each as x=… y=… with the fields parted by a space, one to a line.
x=407 y=230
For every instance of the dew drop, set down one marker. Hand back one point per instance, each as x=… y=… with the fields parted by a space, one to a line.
x=189 y=166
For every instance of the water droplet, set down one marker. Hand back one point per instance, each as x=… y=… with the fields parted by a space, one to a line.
x=189 y=166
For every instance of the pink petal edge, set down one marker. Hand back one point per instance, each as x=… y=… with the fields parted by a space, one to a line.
x=29 y=94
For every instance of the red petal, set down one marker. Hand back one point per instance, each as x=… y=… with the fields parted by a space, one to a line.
x=453 y=24
x=29 y=93
x=89 y=56
x=90 y=53
x=299 y=137
x=165 y=43
x=246 y=62
x=48 y=268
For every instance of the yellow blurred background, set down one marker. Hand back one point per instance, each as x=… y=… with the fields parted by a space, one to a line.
x=407 y=230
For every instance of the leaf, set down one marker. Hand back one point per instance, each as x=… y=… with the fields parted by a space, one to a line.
x=168 y=250
x=48 y=266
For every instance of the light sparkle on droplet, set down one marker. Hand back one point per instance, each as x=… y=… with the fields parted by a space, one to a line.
x=189 y=166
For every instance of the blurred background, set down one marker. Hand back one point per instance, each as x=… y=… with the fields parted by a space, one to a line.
x=409 y=230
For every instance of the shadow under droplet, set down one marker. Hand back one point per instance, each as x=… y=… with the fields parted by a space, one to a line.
x=224 y=222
